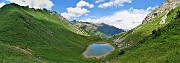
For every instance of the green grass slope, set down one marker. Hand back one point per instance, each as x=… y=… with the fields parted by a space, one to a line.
x=161 y=45
x=39 y=36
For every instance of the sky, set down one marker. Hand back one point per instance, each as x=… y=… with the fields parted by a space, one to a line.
x=123 y=14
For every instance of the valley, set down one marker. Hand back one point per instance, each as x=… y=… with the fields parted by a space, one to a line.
x=29 y=35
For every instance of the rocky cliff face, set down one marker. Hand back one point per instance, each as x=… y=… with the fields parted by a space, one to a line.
x=165 y=7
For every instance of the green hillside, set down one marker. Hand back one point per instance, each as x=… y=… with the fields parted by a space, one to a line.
x=153 y=42
x=30 y=35
x=39 y=36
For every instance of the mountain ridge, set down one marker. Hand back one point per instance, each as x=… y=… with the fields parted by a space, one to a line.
x=98 y=29
x=147 y=43
x=39 y=36
x=165 y=7
x=161 y=46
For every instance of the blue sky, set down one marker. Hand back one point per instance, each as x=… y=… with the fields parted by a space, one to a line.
x=61 y=5
x=124 y=14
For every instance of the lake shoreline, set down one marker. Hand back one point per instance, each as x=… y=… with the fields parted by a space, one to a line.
x=84 y=53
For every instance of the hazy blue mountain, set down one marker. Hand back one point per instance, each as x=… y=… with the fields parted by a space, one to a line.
x=98 y=29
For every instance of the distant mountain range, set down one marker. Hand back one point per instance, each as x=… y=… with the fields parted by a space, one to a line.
x=98 y=29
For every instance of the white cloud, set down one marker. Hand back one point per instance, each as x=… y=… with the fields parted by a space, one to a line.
x=2 y=4
x=99 y=1
x=126 y=19
x=112 y=3
x=34 y=3
x=74 y=12
x=78 y=10
x=83 y=3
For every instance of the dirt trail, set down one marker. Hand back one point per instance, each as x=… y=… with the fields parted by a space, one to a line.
x=26 y=51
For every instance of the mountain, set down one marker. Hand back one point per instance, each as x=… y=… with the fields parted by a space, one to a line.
x=164 y=8
x=99 y=29
x=30 y=35
x=156 y=40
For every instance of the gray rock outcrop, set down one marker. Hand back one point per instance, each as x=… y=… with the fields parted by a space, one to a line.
x=165 y=7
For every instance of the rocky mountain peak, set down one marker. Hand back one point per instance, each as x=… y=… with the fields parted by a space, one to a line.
x=165 y=7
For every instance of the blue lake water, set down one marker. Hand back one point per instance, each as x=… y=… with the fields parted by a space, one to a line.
x=98 y=49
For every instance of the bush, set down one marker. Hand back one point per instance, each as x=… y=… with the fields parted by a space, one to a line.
x=178 y=14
